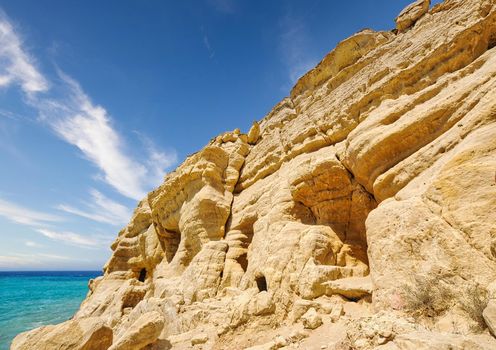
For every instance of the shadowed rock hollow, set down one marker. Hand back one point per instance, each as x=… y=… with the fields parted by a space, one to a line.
x=360 y=213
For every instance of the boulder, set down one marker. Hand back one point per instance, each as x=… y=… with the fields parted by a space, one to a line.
x=311 y=319
x=351 y=288
x=411 y=14
x=489 y=315
x=81 y=334
x=144 y=331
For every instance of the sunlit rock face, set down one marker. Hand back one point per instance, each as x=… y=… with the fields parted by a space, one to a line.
x=363 y=204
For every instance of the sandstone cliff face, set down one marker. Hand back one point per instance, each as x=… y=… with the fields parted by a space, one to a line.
x=362 y=206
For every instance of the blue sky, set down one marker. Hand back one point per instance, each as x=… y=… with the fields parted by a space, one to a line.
x=99 y=99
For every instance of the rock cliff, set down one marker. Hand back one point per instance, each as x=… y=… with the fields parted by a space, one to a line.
x=360 y=213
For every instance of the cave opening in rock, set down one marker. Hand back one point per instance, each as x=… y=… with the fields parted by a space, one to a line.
x=169 y=241
x=173 y=240
x=246 y=228
x=261 y=283
x=243 y=233
x=142 y=275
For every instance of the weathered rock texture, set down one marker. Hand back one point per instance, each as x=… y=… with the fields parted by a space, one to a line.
x=362 y=207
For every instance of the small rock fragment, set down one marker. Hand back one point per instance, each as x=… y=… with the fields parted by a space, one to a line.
x=199 y=339
x=298 y=335
x=337 y=312
x=280 y=341
x=311 y=319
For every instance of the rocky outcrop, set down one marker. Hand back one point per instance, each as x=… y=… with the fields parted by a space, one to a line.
x=362 y=207
x=82 y=334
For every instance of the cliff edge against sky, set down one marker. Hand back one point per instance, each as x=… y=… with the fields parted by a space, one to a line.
x=360 y=213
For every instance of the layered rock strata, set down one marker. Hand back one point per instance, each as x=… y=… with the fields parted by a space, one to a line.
x=362 y=208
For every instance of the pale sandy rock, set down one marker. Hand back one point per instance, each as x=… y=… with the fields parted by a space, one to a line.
x=199 y=339
x=262 y=304
x=489 y=315
x=82 y=334
x=280 y=341
x=300 y=307
x=311 y=319
x=267 y=346
x=337 y=312
x=254 y=133
x=411 y=14
x=143 y=332
x=439 y=341
x=202 y=276
x=452 y=232
x=351 y=288
x=298 y=335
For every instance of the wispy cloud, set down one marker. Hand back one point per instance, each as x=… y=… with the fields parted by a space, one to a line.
x=157 y=160
x=18 y=260
x=294 y=47
x=10 y=115
x=73 y=116
x=76 y=239
x=16 y=66
x=79 y=122
x=101 y=209
x=41 y=222
x=26 y=216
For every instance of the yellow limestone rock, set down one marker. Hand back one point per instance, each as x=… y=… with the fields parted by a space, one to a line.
x=81 y=334
x=367 y=195
x=411 y=14
x=489 y=315
x=144 y=331
x=254 y=133
x=311 y=319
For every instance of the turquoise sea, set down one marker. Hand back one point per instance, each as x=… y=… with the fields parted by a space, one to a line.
x=33 y=299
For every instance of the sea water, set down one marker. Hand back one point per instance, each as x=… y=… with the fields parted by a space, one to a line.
x=33 y=299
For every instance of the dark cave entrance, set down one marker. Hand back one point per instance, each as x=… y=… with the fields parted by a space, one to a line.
x=261 y=283
x=142 y=275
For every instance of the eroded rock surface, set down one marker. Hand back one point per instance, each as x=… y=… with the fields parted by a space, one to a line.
x=362 y=207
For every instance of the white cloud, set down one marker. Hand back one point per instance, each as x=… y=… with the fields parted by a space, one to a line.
x=79 y=122
x=13 y=261
x=18 y=260
x=53 y=256
x=69 y=111
x=33 y=244
x=15 y=65
x=88 y=127
x=25 y=216
x=294 y=48
x=101 y=209
x=156 y=161
x=75 y=239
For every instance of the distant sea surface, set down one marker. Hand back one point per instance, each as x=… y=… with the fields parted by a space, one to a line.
x=33 y=299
